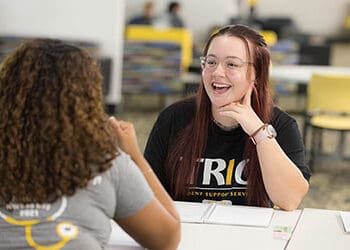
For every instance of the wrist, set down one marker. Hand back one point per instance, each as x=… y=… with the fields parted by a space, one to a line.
x=138 y=158
x=263 y=132
x=147 y=171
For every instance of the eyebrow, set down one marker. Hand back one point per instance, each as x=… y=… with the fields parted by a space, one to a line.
x=226 y=57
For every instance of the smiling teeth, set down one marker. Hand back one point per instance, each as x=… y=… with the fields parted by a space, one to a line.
x=220 y=85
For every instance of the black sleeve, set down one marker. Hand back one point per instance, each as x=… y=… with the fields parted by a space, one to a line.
x=290 y=140
x=157 y=146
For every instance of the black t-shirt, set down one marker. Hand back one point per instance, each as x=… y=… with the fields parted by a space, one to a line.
x=220 y=176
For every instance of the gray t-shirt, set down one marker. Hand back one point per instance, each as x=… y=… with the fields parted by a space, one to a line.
x=81 y=221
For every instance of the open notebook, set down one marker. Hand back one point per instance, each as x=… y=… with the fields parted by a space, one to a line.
x=345 y=216
x=215 y=213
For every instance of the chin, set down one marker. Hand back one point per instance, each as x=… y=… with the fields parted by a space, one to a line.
x=222 y=100
x=219 y=104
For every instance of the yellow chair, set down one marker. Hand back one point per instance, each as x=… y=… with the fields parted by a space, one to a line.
x=328 y=108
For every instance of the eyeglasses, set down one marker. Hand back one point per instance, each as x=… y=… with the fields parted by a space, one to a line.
x=230 y=64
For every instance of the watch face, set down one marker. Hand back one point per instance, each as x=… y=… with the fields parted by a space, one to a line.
x=271 y=131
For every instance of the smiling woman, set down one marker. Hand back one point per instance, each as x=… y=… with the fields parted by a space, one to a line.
x=220 y=162
x=227 y=81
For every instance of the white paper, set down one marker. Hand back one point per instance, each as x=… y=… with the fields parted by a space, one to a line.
x=192 y=212
x=120 y=238
x=214 y=213
x=345 y=216
x=240 y=215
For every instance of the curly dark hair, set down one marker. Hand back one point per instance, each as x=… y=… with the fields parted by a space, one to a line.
x=54 y=131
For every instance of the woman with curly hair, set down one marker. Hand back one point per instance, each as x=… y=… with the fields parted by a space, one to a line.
x=64 y=165
x=222 y=145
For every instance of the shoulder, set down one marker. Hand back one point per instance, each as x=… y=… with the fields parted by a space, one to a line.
x=281 y=119
x=174 y=119
x=181 y=110
x=286 y=127
x=124 y=168
x=121 y=165
x=123 y=161
x=184 y=105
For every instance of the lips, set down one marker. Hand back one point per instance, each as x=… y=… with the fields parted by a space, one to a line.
x=220 y=88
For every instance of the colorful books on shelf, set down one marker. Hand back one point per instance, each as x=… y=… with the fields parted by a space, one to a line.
x=151 y=67
x=215 y=213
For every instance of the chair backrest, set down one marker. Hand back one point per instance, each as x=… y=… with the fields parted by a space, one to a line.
x=329 y=93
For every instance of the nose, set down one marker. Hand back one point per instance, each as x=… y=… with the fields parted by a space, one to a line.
x=219 y=70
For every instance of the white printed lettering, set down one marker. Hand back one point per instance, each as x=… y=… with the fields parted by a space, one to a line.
x=208 y=171
x=239 y=172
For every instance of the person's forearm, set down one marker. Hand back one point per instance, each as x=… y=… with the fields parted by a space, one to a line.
x=155 y=185
x=283 y=181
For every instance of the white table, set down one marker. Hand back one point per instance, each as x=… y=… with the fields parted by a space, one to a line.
x=209 y=236
x=303 y=73
x=312 y=229
x=319 y=229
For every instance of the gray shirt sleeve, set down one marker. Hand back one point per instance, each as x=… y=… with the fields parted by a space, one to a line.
x=132 y=190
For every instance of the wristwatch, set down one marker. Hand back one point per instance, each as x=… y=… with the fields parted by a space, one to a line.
x=265 y=131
